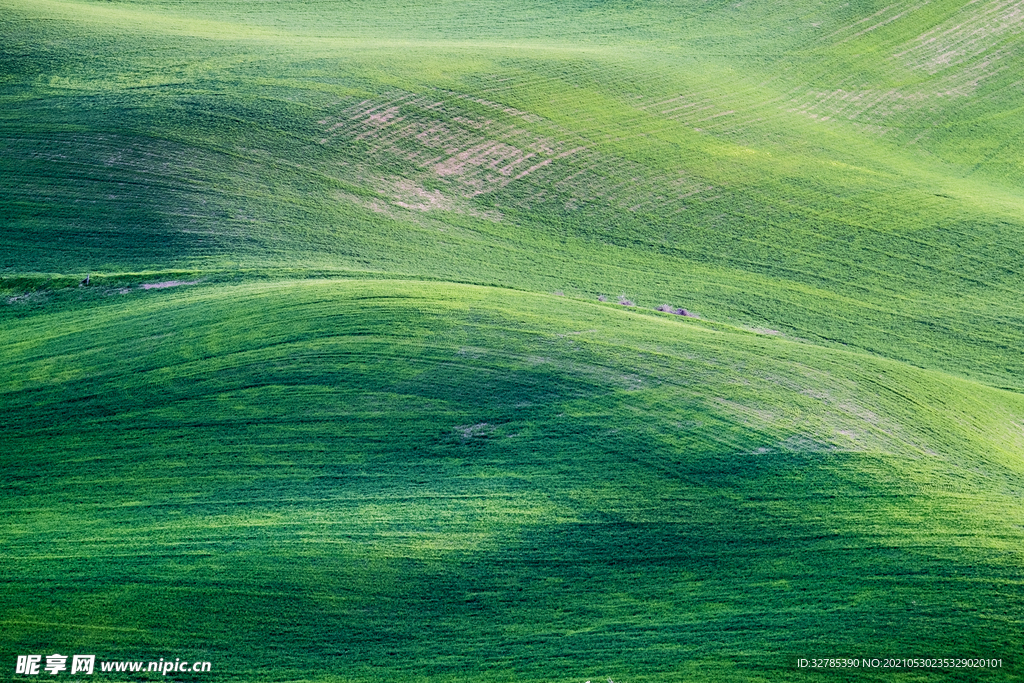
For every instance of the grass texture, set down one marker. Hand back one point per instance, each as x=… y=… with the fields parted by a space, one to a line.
x=331 y=350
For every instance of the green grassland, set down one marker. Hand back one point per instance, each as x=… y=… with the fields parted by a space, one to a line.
x=385 y=430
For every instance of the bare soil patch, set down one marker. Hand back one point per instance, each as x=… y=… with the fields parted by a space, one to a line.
x=167 y=283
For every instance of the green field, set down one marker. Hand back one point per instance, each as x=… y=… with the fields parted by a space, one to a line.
x=340 y=341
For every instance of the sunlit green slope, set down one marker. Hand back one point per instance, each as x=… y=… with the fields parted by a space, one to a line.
x=846 y=175
x=404 y=481
x=365 y=441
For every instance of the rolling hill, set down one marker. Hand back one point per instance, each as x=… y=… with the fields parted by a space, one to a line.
x=342 y=341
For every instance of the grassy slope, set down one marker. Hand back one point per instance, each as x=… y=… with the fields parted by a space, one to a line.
x=209 y=153
x=855 y=188
x=403 y=480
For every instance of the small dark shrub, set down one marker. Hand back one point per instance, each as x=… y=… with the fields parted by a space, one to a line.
x=665 y=308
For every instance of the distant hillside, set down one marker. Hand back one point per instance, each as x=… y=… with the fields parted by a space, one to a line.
x=347 y=337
